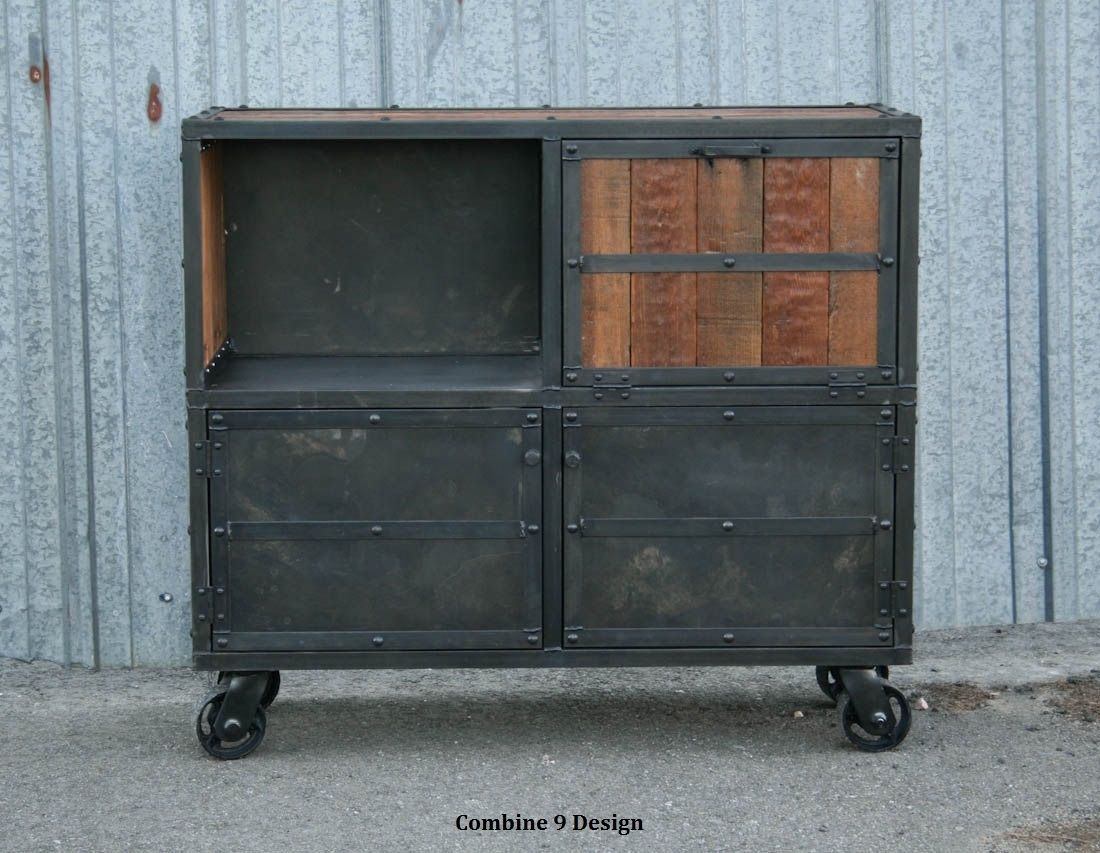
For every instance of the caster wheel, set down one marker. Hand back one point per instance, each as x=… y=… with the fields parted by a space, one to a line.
x=227 y=750
x=830 y=684
x=869 y=741
x=270 y=692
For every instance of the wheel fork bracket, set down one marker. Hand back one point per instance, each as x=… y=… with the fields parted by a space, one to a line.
x=873 y=708
x=242 y=698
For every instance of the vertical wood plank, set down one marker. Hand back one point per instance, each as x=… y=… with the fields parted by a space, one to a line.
x=796 y=304
x=853 y=227
x=605 y=229
x=663 y=218
x=730 y=214
x=214 y=321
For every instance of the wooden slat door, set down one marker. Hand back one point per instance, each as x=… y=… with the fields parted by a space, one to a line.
x=749 y=207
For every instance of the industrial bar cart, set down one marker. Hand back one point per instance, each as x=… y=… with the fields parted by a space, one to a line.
x=517 y=388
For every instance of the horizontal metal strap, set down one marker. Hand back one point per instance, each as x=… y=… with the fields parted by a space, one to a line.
x=378 y=641
x=731 y=416
x=732 y=262
x=730 y=637
x=371 y=418
x=350 y=530
x=721 y=527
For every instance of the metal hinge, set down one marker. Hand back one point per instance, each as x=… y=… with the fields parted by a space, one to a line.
x=894 y=600
x=855 y=384
x=610 y=382
x=204 y=461
x=201 y=459
x=903 y=454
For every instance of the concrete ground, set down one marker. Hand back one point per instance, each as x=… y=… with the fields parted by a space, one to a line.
x=1007 y=758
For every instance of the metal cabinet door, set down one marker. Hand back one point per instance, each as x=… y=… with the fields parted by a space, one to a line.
x=360 y=530
x=744 y=526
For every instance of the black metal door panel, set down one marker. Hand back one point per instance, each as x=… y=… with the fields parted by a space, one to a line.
x=709 y=526
x=392 y=529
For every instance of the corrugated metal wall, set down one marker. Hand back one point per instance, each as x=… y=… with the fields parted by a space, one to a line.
x=93 y=475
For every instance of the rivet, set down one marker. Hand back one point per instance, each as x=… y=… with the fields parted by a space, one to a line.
x=886 y=414
x=571 y=376
x=625 y=377
x=217 y=418
x=891 y=146
x=219 y=531
x=886 y=441
x=887 y=262
x=222 y=642
x=533 y=639
x=532 y=528
x=570 y=416
x=861 y=393
x=377 y=641
x=727 y=525
x=220 y=617
x=885 y=524
x=886 y=467
x=1042 y=563
x=217 y=445
x=728 y=262
x=903 y=585
x=198 y=445
x=765 y=149
x=198 y=472
x=572 y=263
x=572 y=638
x=532 y=417
x=834 y=394
x=572 y=528
x=860 y=375
x=905 y=441
x=884 y=612
x=570 y=149
x=902 y=612
x=598 y=395
x=834 y=375
x=729 y=375
x=625 y=395
x=376 y=530
x=375 y=419
x=884 y=586
x=598 y=377
x=905 y=468
x=200 y=591
x=220 y=590
x=166 y=597
x=884 y=635
x=728 y=415
x=727 y=638
x=217 y=472
x=887 y=374
x=201 y=617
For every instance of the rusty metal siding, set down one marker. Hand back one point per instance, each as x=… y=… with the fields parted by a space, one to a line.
x=92 y=473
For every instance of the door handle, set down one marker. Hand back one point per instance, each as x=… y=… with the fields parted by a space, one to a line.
x=711 y=152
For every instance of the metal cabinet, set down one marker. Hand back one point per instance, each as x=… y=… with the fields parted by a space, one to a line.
x=551 y=388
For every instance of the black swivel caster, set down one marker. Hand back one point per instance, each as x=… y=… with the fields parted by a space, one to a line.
x=874 y=715
x=274 y=681
x=892 y=725
x=828 y=679
x=236 y=745
x=232 y=721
